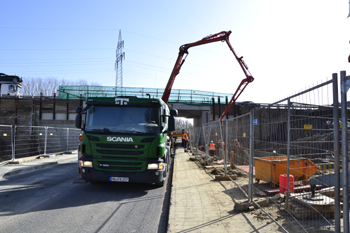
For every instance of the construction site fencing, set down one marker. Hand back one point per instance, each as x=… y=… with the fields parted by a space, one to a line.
x=295 y=153
x=26 y=141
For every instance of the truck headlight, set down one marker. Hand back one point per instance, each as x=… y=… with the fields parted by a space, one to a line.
x=85 y=163
x=155 y=166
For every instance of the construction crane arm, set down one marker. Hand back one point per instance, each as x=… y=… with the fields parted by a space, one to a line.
x=183 y=52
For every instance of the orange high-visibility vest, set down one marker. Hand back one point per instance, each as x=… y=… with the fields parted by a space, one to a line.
x=211 y=146
x=185 y=136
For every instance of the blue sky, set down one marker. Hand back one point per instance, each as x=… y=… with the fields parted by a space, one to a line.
x=287 y=45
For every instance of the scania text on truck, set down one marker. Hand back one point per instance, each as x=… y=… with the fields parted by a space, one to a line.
x=125 y=139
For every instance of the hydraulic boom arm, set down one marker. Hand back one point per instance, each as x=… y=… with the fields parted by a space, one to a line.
x=183 y=50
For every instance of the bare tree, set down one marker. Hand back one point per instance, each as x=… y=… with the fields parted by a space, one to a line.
x=182 y=124
x=48 y=86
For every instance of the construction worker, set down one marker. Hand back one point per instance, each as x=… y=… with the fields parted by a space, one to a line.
x=221 y=144
x=185 y=140
x=237 y=143
x=212 y=148
x=173 y=143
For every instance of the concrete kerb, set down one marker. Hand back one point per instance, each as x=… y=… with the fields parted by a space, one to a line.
x=30 y=168
x=35 y=157
x=22 y=165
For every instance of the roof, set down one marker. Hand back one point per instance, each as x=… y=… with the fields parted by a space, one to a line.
x=4 y=78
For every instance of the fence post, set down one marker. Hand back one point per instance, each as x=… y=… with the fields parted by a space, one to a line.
x=41 y=106
x=219 y=103
x=344 y=128
x=251 y=155
x=226 y=106
x=54 y=106
x=45 y=140
x=67 y=116
x=205 y=147
x=222 y=146
x=213 y=104
x=67 y=150
x=12 y=143
x=67 y=138
x=336 y=153
x=226 y=145
x=288 y=152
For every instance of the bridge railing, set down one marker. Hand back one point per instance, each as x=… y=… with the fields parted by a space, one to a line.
x=25 y=141
x=176 y=96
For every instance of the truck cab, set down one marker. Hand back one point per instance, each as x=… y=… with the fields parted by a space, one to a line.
x=10 y=85
x=125 y=139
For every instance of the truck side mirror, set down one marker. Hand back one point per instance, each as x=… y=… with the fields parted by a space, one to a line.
x=78 y=121
x=171 y=123
x=78 y=109
x=173 y=112
x=78 y=117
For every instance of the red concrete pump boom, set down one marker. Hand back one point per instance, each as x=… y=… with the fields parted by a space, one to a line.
x=221 y=36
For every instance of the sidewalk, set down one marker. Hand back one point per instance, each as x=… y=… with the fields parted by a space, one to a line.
x=200 y=204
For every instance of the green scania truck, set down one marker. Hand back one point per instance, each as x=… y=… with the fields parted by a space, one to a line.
x=125 y=139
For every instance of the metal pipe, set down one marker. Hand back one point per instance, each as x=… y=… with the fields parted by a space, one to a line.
x=301 y=93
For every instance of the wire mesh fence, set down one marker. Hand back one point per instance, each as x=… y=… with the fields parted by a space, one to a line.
x=291 y=148
x=25 y=141
x=6 y=142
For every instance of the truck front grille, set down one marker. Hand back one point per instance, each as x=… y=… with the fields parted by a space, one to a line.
x=119 y=152
x=128 y=157
x=118 y=146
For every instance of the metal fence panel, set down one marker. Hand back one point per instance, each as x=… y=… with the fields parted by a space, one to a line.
x=295 y=138
x=6 y=142
x=25 y=141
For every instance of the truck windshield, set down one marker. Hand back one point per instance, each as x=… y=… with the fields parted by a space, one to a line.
x=111 y=119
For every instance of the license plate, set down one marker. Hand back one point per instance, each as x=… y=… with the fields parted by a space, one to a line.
x=119 y=179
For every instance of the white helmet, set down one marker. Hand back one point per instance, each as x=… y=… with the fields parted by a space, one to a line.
x=211 y=141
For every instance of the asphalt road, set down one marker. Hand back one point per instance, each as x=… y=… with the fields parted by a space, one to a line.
x=53 y=200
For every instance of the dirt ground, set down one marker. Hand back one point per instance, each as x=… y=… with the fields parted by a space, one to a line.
x=275 y=212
